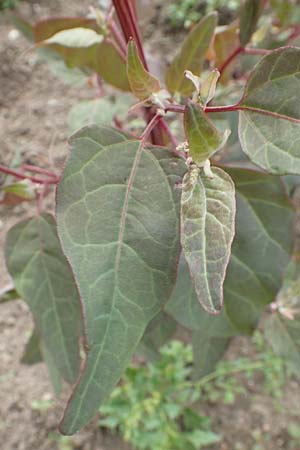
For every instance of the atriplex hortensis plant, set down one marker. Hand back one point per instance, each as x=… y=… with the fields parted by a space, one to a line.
x=129 y=207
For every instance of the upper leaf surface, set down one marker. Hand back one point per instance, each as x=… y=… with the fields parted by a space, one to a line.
x=260 y=254
x=118 y=223
x=142 y=83
x=44 y=280
x=75 y=37
x=191 y=56
x=250 y=13
x=203 y=137
x=207 y=231
x=269 y=127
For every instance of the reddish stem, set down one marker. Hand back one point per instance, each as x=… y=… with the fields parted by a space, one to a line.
x=119 y=38
x=23 y=176
x=256 y=51
x=35 y=169
x=208 y=109
x=231 y=57
x=150 y=127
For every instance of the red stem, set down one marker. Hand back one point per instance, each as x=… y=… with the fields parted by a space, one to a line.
x=23 y=176
x=227 y=61
x=256 y=51
x=35 y=169
x=208 y=109
x=119 y=38
x=150 y=127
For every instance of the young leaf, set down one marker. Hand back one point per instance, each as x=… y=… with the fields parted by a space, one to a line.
x=142 y=83
x=207 y=231
x=44 y=280
x=74 y=38
x=250 y=13
x=208 y=87
x=269 y=127
x=23 y=190
x=203 y=137
x=46 y=28
x=128 y=239
x=260 y=254
x=191 y=56
x=109 y=65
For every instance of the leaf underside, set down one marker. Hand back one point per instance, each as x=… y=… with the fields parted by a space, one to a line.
x=269 y=127
x=118 y=223
x=207 y=231
x=44 y=280
x=260 y=254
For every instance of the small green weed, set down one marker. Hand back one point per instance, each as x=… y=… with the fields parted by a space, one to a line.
x=184 y=13
x=8 y=4
x=153 y=407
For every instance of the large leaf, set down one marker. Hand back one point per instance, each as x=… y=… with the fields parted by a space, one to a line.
x=250 y=13
x=203 y=137
x=260 y=254
x=43 y=278
x=142 y=83
x=207 y=231
x=109 y=64
x=118 y=223
x=269 y=126
x=191 y=56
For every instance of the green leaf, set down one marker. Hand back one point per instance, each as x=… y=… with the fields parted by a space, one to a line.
x=74 y=38
x=142 y=83
x=208 y=350
x=250 y=13
x=158 y=332
x=207 y=231
x=89 y=112
x=269 y=128
x=110 y=66
x=284 y=336
x=99 y=111
x=102 y=58
x=191 y=56
x=208 y=87
x=123 y=251
x=24 y=190
x=203 y=137
x=199 y=438
x=44 y=280
x=8 y=293
x=260 y=254
x=32 y=353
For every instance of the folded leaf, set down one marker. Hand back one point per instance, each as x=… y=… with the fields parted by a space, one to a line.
x=74 y=38
x=45 y=282
x=207 y=231
x=191 y=56
x=203 y=137
x=123 y=251
x=269 y=128
x=250 y=13
x=260 y=254
x=142 y=83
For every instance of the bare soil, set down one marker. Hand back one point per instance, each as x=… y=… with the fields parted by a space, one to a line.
x=33 y=123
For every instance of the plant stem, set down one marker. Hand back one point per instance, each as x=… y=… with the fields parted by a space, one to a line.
x=256 y=51
x=208 y=109
x=230 y=58
x=150 y=127
x=35 y=169
x=119 y=38
x=22 y=176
